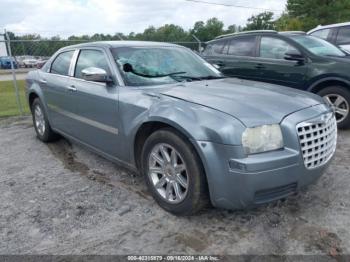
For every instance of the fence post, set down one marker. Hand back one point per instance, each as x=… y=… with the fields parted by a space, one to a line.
x=8 y=41
x=199 y=44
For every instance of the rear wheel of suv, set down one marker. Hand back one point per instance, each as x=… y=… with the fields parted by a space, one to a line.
x=174 y=173
x=339 y=98
x=41 y=124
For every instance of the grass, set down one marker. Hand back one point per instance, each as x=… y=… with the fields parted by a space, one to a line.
x=8 y=103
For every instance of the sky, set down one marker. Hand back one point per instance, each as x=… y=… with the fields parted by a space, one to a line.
x=78 y=17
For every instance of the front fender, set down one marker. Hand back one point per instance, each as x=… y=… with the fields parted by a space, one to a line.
x=197 y=122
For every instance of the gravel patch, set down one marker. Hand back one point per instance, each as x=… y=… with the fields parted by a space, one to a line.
x=59 y=198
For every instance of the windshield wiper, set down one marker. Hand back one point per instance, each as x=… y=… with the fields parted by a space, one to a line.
x=155 y=76
x=212 y=77
x=199 y=78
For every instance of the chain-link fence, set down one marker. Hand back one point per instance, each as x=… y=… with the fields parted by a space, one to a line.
x=18 y=57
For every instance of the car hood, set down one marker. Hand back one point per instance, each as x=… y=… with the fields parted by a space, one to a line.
x=345 y=59
x=253 y=103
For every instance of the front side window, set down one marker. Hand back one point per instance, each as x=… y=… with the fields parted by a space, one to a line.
x=162 y=65
x=343 y=35
x=61 y=63
x=242 y=46
x=90 y=58
x=275 y=48
x=318 y=46
x=323 y=34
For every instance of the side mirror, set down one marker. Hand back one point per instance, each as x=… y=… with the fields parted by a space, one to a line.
x=95 y=74
x=295 y=56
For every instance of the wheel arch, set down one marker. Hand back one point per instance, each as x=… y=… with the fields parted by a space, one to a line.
x=327 y=82
x=31 y=97
x=151 y=126
x=36 y=92
x=148 y=128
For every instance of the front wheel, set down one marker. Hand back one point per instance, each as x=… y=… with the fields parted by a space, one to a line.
x=174 y=173
x=339 y=98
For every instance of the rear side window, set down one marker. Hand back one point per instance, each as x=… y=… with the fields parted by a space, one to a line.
x=90 y=58
x=323 y=34
x=242 y=46
x=343 y=35
x=215 y=48
x=61 y=63
x=275 y=48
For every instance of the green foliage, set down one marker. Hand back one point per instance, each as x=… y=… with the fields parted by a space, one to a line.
x=8 y=104
x=299 y=15
x=311 y=13
x=205 y=31
x=288 y=23
x=209 y=30
x=262 y=21
x=166 y=33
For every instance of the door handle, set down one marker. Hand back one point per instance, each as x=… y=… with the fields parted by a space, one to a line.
x=260 y=66
x=220 y=64
x=43 y=81
x=72 y=88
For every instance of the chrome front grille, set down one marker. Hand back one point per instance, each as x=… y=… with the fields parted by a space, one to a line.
x=318 y=140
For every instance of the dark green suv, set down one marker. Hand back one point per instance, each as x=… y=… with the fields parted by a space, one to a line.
x=291 y=59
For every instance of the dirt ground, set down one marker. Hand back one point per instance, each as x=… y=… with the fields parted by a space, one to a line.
x=61 y=199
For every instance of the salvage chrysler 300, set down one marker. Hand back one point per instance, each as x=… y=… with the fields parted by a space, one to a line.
x=197 y=136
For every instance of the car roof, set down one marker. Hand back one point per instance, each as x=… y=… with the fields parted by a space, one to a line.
x=257 y=32
x=328 y=26
x=112 y=44
x=246 y=33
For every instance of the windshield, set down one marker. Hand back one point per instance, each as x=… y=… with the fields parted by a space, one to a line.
x=318 y=46
x=162 y=65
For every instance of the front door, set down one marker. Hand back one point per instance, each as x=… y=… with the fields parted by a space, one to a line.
x=97 y=104
x=273 y=68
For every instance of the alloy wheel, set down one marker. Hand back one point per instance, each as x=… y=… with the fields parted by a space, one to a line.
x=39 y=120
x=168 y=173
x=340 y=106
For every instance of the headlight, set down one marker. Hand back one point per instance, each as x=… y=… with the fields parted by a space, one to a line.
x=262 y=138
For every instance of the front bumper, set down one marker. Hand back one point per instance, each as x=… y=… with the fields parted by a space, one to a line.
x=238 y=182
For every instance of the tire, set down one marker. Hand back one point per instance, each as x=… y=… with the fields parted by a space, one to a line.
x=41 y=124
x=195 y=197
x=331 y=94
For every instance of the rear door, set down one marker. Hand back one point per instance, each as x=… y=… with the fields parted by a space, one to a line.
x=239 y=59
x=58 y=97
x=271 y=66
x=343 y=38
x=97 y=103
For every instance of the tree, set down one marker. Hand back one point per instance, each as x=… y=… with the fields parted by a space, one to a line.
x=262 y=21
x=171 y=33
x=311 y=13
x=231 y=29
x=209 y=30
x=288 y=23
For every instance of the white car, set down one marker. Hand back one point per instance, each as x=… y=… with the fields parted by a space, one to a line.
x=30 y=62
x=338 y=34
